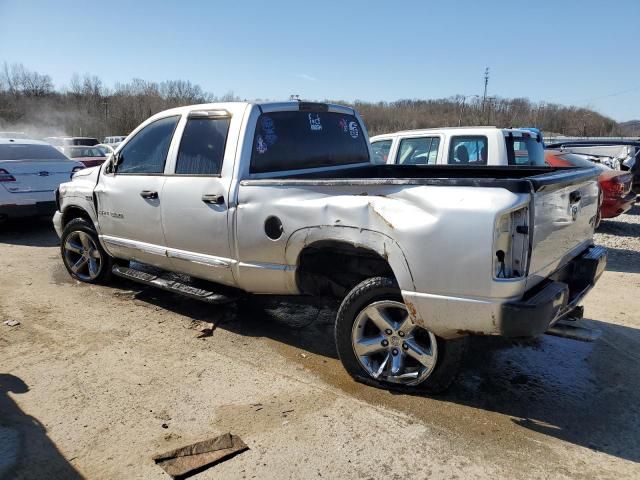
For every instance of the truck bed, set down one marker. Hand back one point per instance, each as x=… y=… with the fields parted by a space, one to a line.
x=515 y=179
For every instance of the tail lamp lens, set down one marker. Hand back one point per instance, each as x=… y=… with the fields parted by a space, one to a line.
x=511 y=244
x=5 y=176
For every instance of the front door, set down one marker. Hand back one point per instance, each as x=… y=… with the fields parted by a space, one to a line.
x=130 y=196
x=196 y=204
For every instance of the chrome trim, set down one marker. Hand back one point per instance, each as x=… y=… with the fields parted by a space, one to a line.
x=203 y=259
x=134 y=244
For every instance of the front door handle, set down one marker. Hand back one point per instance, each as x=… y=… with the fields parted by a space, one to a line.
x=213 y=199
x=149 y=194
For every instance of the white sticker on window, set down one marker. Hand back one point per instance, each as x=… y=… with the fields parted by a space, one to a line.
x=261 y=146
x=314 y=122
x=353 y=130
x=269 y=130
x=344 y=125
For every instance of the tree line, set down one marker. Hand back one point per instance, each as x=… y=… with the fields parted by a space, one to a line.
x=29 y=102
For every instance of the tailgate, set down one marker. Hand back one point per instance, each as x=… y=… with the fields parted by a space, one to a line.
x=565 y=207
x=36 y=175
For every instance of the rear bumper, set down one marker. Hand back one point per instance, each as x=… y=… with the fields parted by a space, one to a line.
x=37 y=209
x=528 y=315
x=555 y=298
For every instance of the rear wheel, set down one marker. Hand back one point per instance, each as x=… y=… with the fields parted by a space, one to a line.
x=82 y=254
x=379 y=344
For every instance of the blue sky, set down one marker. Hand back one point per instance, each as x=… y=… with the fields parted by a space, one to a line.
x=573 y=52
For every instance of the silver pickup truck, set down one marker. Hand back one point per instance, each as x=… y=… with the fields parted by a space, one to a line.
x=282 y=198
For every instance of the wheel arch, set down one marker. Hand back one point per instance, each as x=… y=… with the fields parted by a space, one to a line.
x=316 y=250
x=70 y=212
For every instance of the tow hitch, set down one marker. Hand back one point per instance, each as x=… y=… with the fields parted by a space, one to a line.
x=566 y=328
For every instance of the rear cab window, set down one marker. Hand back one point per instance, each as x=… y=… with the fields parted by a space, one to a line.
x=25 y=151
x=525 y=150
x=297 y=140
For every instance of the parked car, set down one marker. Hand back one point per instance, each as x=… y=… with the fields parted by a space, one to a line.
x=282 y=198
x=88 y=156
x=114 y=140
x=30 y=172
x=617 y=194
x=622 y=154
x=108 y=149
x=64 y=141
x=464 y=146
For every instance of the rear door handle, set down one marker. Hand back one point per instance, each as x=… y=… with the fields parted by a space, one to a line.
x=213 y=199
x=150 y=194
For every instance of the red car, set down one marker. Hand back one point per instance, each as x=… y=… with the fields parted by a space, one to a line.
x=88 y=156
x=617 y=196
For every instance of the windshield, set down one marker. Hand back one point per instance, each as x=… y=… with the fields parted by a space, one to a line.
x=525 y=150
x=298 y=140
x=86 y=152
x=23 y=151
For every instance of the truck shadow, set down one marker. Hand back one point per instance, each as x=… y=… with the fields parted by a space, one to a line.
x=25 y=449
x=29 y=232
x=583 y=393
x=623 y=260
x=587 y=394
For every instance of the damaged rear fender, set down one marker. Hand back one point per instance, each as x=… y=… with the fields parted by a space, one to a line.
x=378 y=242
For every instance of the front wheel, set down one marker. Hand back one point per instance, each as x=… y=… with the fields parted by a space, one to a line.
x=82 y=254
x=378 y=343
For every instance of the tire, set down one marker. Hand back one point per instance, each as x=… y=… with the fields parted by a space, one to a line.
x=82 y=255
x=354 y=328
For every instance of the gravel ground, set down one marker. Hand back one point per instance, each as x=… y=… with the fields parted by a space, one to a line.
x=621 y=236
x=95 y=380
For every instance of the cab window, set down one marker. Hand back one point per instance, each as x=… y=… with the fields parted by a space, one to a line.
x=202 y=146
x=418 y=151
x=468 y=150
x=146 y=153
x=525 y=150
x=307 y=139
x=380 y=150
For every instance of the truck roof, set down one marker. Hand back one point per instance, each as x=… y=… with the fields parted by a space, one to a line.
x=268 y=106
x=458 y=130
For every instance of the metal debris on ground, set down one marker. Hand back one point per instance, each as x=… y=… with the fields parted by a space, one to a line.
x=11 y=323
x=191 y=459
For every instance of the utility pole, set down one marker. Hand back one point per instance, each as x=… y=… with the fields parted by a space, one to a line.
x=486 y=83
x=484 y=95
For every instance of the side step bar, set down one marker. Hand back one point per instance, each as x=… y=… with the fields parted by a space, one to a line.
x=165 y=281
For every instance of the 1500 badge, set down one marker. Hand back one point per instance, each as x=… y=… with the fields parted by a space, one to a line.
x=110 y=214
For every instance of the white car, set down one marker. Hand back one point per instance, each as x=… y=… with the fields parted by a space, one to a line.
x=30 y=172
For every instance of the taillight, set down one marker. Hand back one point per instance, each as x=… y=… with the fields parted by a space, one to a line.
x=6 y=176
x=75 y=169
x=613 y=187
x=511 y=244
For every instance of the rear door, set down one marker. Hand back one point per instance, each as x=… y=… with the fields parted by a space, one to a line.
x=195 y=209
x=129 y=198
